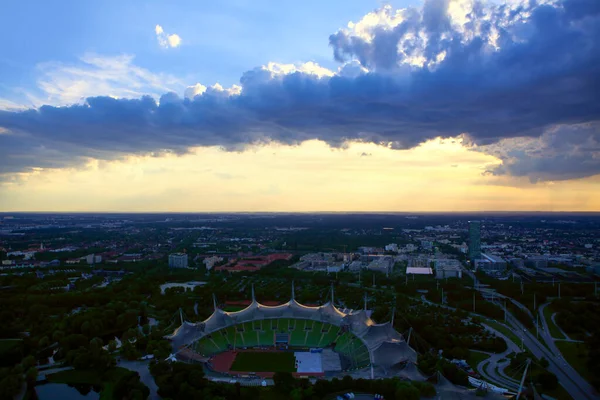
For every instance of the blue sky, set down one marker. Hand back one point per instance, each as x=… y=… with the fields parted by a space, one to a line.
x=500 y=99
x=220 y=40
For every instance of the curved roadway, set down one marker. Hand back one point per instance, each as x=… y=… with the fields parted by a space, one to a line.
x=573 y=383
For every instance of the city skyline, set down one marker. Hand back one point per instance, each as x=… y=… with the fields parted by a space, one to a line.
x=416 y=106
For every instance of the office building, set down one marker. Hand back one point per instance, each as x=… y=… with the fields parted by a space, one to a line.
x=210 y=262
x=474 y=240
x=448 y=271
x=490 y=262
x=93 y=259
x=178 y=260
x=426 y=244
x=537 y=262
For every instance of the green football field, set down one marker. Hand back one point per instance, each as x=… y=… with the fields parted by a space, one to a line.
x=264 y=362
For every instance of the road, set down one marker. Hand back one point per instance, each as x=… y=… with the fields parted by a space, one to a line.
x=493 y=370
x=141 y=367
x=573 y=383
x=570 y=379
x=487 y=368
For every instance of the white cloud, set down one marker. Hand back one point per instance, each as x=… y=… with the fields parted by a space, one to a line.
x=195 y=90
x=166 y=40
x=306 y=68
x=174 y=40
x=9 y=105
x=97 y=75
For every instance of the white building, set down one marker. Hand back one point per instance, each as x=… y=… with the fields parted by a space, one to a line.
x=178 y=260
x=93 y=259
x=382 y=264
x=392 y=247
x=210 y=262
x=444 y=262
x=334 y=268
x=448 y=271
x=427 y=244
x=409 y=248
x=490 y=262
x=356 y=266
x=418 y=271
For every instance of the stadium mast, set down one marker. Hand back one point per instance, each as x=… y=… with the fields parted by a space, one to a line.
x=332 y=298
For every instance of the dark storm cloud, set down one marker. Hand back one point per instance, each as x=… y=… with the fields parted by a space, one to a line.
x=561 y=153
x=506 y=72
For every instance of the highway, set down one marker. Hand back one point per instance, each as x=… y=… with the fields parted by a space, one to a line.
x=570 y=379
x=573 y=383
x=492 y=370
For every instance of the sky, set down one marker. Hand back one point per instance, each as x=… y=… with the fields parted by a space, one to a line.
x=343 y=105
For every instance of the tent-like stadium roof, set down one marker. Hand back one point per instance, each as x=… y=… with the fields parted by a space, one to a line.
x=386 y=346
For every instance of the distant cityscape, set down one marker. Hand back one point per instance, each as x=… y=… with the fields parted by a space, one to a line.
x=544 y=249
x=352 y=296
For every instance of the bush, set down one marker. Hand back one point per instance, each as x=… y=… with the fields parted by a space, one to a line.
x=129 y=387
x=454 y=374
x=426 y=389
x=406 y=391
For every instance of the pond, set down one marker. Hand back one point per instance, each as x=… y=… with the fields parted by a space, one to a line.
x=53 y=391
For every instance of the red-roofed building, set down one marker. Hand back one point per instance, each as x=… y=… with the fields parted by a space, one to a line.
x=254 y=263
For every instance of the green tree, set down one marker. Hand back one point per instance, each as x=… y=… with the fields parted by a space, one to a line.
x=284 y=381
x=57 y=336
x=406 y=391
x=31 y=376
x=28 y=362
x=44 y=342
x=10 y=386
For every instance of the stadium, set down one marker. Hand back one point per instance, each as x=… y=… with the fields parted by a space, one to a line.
x=304 y=340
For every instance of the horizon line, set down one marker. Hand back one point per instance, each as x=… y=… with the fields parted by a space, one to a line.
x=304 y=212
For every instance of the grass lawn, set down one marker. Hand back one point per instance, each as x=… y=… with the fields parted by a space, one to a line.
x=554 y=331
x=264 y=362
x=9 y=344
x=504 y=330
x=576 y=355
x=475 y=358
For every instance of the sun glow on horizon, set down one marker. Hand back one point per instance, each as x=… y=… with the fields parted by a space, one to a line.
x=439 y=175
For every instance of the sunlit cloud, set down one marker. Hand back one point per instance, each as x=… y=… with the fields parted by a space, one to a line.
x=166 y=40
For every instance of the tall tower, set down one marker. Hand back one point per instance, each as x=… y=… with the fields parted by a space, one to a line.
x=474 y=240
